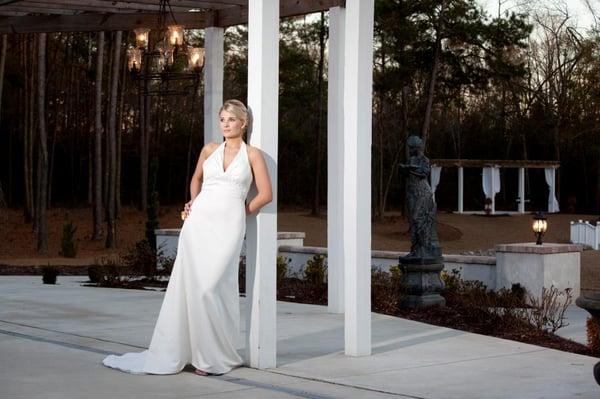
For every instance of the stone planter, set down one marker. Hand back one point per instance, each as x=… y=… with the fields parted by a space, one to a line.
x=535 y=267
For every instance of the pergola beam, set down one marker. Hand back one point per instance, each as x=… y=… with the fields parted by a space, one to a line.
x=101 y=6
x=482 y=163
x=220 y=16
x=94 y=22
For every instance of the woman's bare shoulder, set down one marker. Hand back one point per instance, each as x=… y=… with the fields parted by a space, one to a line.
x=209 y=148
x=253 y=152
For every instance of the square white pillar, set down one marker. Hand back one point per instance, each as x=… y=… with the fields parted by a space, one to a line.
x=213 y=83
x=521 y=190
x=493 y=191
x=358 y=86
x=461 y=188
x=335 y=162
x=261 y=234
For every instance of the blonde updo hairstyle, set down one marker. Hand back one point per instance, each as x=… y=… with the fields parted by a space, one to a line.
x=237 y=108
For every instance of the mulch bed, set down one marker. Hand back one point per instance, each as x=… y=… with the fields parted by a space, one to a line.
x=455 y=318
x=7 y=270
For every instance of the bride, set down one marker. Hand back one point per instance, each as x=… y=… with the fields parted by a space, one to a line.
x=199 y=317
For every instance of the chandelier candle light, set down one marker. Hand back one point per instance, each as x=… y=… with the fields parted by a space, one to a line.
x=170 y=59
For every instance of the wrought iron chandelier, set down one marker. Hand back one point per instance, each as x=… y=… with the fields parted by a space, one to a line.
x=169 y=66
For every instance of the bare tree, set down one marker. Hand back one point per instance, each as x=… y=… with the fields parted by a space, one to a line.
x=42 y=230
x=111 y=236
x=319 y=124
x=28 y=209
x=97 y=197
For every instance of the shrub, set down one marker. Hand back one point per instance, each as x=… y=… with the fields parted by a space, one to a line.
x=49 y=274
x=548 y=311
x=396 y=275
x=140 y=260
x=387 y=290
x=68 y=247
x=593 y=334
x=315 y=270
x=282 y=267
x=107 y=273
x=95 y=274
x=510 y=308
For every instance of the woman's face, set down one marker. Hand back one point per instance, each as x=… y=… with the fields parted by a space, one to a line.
x=231 y=125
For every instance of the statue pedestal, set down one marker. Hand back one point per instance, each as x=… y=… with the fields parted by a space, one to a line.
x=422 y=278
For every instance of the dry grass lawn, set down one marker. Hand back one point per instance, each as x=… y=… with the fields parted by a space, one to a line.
x=458 y=233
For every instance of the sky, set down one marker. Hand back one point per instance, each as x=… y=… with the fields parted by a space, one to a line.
x=577 y=8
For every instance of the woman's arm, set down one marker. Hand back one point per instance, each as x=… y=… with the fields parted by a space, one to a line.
x=420 y=167
x=261 y=180
x=196 y=181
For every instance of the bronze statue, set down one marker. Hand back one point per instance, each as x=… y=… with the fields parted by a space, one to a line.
x=420 y=206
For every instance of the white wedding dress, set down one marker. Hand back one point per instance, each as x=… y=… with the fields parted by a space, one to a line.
x=198 y=322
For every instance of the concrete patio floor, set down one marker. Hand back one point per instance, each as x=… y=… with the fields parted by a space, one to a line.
x=53 y=338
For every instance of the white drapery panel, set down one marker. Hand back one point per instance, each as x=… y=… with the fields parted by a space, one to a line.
x=491 y=181
x=551 y=181
x=436 y=172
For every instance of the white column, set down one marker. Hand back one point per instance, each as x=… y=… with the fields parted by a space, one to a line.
x=461 y=187
x=335 y=162
x=261 y=234
x=358 y=86
x=213 y=83
x=493 y=185
x=553 y=192
x=521 y=190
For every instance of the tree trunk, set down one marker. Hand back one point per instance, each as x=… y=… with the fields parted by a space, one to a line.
x=42 y=231
x=2 y=64
x=146 y=153
x=28 y=211
x=120 y=137
x=8 y=133
x=597 y=183
x=143 y=158
x=431 y=92
x=317 y=197
x=97 y=201
x=105 y=185
x=111 y=236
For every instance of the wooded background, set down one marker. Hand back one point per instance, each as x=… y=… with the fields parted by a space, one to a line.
x=74 y=130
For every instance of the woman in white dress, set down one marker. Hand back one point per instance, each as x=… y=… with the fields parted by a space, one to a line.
x=199 y=317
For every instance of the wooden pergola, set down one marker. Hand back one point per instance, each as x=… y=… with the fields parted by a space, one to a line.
x=39 y=16
x=521 y=165
x=350 y=52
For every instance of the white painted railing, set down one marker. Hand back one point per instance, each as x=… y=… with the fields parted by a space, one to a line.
x=585 y=233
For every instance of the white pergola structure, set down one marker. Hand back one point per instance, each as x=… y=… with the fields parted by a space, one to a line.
x=490 y=178
x=349 y=132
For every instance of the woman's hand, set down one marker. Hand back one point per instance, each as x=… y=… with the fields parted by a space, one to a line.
x=187 y=209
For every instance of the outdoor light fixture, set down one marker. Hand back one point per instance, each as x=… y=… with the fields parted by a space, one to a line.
x=167 y=65
x=540 y=225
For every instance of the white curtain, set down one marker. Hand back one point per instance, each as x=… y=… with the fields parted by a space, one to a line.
x=551 y=181
x=436 y=172
x=491 y=181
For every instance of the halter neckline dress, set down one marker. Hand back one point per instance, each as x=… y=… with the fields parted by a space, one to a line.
x=198 y=322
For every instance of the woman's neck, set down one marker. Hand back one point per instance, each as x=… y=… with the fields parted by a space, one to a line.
x=233 y=142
